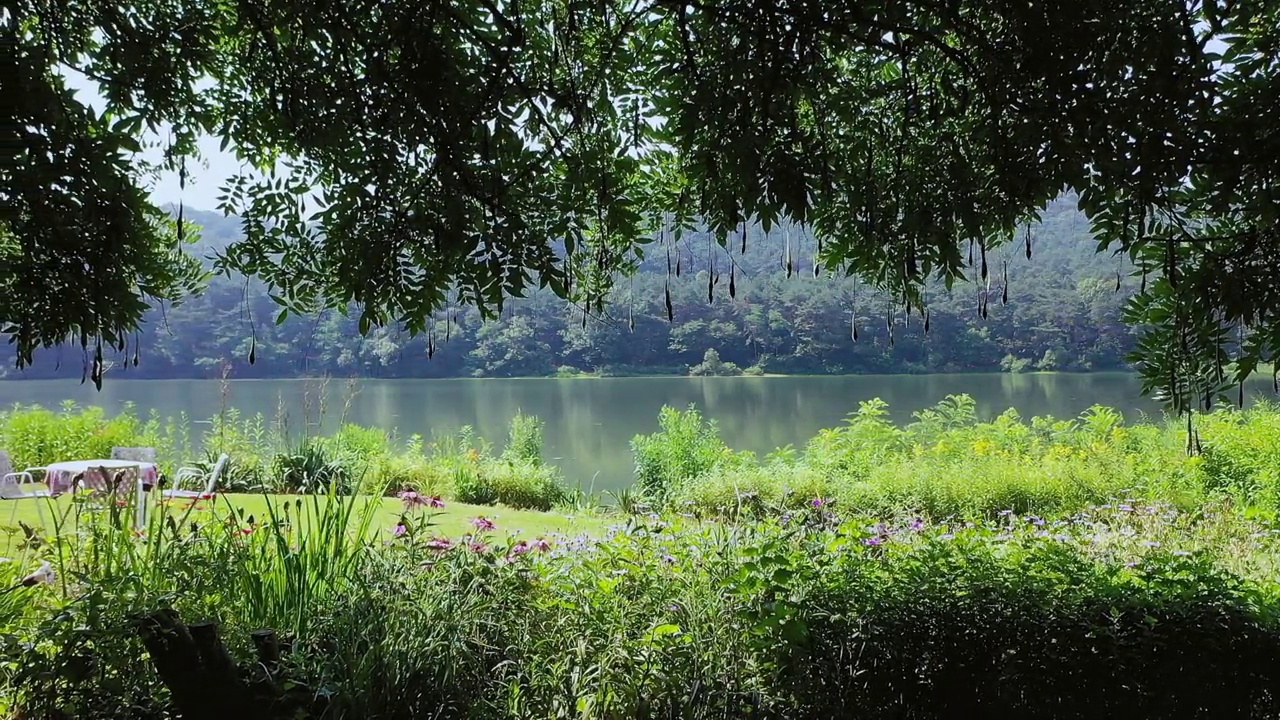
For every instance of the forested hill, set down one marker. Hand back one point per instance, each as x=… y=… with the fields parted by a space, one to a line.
x=1063 y=312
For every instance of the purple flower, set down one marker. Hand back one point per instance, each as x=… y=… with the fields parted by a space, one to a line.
x=917 y=524
x=435 y=501
x=483 y=523
x=1131 y=564
x=1126 y=507
x=541 y=545
x=1006 y=513
x=668 y=559
x=478 y=547
x=412 y=499
x=440 y=544
x=818 y=502
x=400 y=530
x=1181 y=553
x=873 y=541
x=519 y=548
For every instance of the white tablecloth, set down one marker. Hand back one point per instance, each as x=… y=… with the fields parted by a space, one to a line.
x=61 y=476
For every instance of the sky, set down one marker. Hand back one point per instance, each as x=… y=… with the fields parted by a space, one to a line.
x=202 y=182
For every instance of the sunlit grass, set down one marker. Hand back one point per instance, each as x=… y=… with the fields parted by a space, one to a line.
x=453 y=520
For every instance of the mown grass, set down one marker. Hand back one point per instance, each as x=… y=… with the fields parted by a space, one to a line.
x=454 y=520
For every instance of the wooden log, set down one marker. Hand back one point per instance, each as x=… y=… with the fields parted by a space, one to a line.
x=233 y=697
x=267 y=645
x=177 y=662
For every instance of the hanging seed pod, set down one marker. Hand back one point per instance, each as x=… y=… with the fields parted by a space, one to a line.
x=253 y=349
x=678 y=259
x=744 y=237
x=853 y=322
x=711 y=284
x=671 y=316
x=1004 y=293
x=985 y=277
x=1117 y=281
x=926 y=321
x=1241 y=400
x=631 y=318
x=584 y=318
x=1143 y=289
x=431 y=345
x=733 y=290
x=1028 y=241
x=971 y=252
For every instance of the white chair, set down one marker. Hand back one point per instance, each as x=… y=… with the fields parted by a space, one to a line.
x=193 y=484
x=17 y=486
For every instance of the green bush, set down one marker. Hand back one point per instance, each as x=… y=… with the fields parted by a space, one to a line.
x=35 y=437
x=685 y=447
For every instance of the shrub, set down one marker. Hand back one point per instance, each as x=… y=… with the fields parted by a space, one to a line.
x=685 y=447
x=36 y=437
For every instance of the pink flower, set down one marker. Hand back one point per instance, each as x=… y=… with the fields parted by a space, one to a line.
x=519 y=548
x=440 y=544
x=478 y=547
x=400 y=530
x=483 y=523
x=412 y=499
x=541 y=545
x=435 y=501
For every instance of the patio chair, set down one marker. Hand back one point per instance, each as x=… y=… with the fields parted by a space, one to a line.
x=17 y=486
x=194 y=484
x=134 y=454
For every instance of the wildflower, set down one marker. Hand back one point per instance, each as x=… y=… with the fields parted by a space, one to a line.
x=873 y=541
x=473 y=455
x=400 y=530
x=1125 y=507
x=1151 y=544
x=440 y=544
x=668 y=559
x=917 y=524
x=412 y=499
x=483 y=523
x=1130 y=564
x=478 y=546
x=1005 y=513
x=1181 y=553
x=519 y=548
x=818 y=502
x=435 y=501
x=541 y=545
x=246 y=530
x=44 y=574
x=947 y=536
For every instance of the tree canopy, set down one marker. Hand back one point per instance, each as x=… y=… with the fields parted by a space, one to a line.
x=421 y=156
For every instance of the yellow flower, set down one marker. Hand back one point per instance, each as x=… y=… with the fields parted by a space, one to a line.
x=473 y=455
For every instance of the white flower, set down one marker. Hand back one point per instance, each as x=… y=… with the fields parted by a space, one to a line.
x=45 y=574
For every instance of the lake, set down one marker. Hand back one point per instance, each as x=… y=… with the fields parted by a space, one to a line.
x=590 y=421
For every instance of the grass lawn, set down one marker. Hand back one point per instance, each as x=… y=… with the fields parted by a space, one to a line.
x=454 y=520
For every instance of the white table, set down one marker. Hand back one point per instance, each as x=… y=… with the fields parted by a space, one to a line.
x=61 y=478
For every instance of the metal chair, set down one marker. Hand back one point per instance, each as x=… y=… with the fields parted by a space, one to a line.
x=203 y=486
x=17 y=486
x=134 y=454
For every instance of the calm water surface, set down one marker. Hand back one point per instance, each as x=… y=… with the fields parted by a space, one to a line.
x=590 y=421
